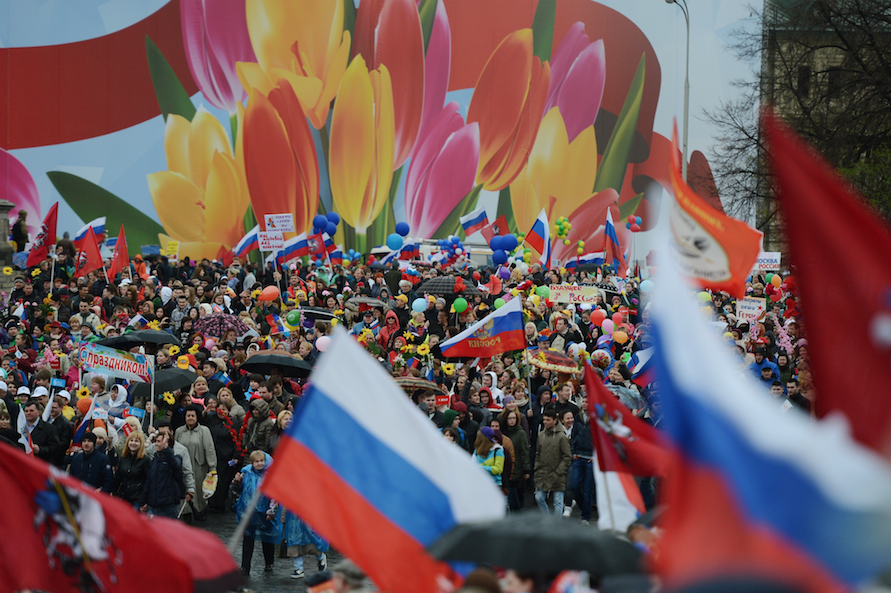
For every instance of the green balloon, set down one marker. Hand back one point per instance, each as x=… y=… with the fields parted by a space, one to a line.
x=769 y=277
x=543 y=291
x=293 y=317
x=704 y=297
x=460 y=305
x=499 y=302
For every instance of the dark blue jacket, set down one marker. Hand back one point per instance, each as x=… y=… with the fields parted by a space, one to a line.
x=164 y=484
x=94 y=469
x=580 y=440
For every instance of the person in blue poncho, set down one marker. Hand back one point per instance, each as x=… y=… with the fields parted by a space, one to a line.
x=265 y=524
x=302 y=540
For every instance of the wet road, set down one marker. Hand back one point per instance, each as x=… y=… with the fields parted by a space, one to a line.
x=279 y=580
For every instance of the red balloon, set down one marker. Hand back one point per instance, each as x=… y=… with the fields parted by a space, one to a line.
x=598 y=314
x=617 y=318
x=635 y=227
x=270 y=293
x=476 y=276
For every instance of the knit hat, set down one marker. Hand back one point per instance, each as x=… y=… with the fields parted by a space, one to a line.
x=459 y=407
x=100 y=432
x=449 y=417
x=83 y=405
x=487 y=432
x=507 y=399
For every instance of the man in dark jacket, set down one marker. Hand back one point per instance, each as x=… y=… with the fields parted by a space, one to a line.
x=64 y=429
x=552 y=460
x=92 y=466
x=582 y=449
x=43 y=435
x=164 y=485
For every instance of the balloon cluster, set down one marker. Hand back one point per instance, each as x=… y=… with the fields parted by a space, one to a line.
x=352 y=255
x=633 y=224
x=580 y=250
x=501 y=246
x=452 y=247
x=563 y=228
x=326 y=223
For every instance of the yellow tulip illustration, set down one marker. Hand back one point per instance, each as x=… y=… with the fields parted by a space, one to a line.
x=202 y=197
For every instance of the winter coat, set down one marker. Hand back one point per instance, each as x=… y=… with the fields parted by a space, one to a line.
x=265 y=524
x=257 y=433
x=493 y=462
x=386 y=332
x=93 y=468
x=130 y=477
x=164 y=483
x=198 y=441
x=521 y=448
x=552 y=460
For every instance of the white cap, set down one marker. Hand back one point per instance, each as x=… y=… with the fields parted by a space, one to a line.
x=4 y=386
x=23 y=390
x=40 y=391
x=64 y=394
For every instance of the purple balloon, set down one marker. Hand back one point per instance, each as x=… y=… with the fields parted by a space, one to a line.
x=504 y=273
x=308 y=323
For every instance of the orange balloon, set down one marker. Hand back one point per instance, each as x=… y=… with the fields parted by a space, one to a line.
x=777 y=280
x=620 y=337
x=270 y=293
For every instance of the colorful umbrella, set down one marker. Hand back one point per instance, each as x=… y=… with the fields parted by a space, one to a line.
x=552 y=360
x=217 y=324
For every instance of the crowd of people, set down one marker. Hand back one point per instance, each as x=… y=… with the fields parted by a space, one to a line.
x=202 y=449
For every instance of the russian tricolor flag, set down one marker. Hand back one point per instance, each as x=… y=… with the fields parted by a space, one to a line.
x=410 y=250
x=98 y=227
x=758 y=492
x=276 y=326
x=539 y=238
x=295 y=247
x=611 y=244
x=360 y=445
x=336 y=256
x=499 y=331
x=248 y=243
x=389 y=257
x=475 y=221
x=641 y=367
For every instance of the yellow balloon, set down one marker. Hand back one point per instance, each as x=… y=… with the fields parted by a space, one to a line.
x=514 y=292
x=620 y=337
x=536 y=299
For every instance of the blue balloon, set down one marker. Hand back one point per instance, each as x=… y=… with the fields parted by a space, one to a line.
x=499 y=257
x=455 y=240
x=331 y=229
x=509 y=242
x=402 y=228
x=320 y=222
x=495 y=243
x=419 y=305
x=394 y=241
x=627 y=225
x=333 y=217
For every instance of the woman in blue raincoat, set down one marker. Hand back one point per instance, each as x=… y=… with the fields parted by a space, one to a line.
x=265 y=524
x=302 y=540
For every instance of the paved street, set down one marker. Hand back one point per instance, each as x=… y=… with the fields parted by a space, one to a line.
x=262 y=582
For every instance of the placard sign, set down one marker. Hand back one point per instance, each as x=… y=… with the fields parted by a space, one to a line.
x=750 y=309
x=566 y=293
x=119 y=363
x=768 y=261
x=280 y=223
x=271 y=241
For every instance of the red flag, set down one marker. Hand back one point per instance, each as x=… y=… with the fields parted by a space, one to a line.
x=624 y=443
x=120 y=259
x=225 y=256
x=56 y=518
x=716 y=251
x=46 y=237
x=316 y=245
x=499 y=227
x=88 y=258
x=830 y=227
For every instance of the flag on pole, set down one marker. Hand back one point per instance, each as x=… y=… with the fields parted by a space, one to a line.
x=40 y=247
x=717 y=251
x=610 y=245
x=839 y=230
x=98 y=227
x=276 y=326
x=619 y=501
x=499 y=331
x=21 y=426
x=248 y=243
x=88 y=258
x=790 y=498
x=539 y=238
x=475 y=221
x=120 y=259
x=350 y=426
x=499 y=227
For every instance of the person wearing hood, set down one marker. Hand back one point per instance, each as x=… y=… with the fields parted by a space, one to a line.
x=468 y=424
x=488 y=454
x=475 y=404
x=450 y=421
x=265 y=523
x=259 y=427
x=391 y=328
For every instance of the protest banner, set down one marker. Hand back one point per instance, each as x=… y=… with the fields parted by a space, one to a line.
x=768 y=261
x=118 y=363
x=566 y=293
x=271 y=241
x=280 y=223
x=750 y=309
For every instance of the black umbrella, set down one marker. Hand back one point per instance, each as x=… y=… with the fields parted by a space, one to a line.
x=264 y=361
x=140 y=337
x=354 y=302
x=165 y=380
x=318 y=313
x=538 y=542
x=445 y=286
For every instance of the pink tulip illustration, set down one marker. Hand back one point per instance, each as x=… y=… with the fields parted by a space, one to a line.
x=17 y=186
x=578 y=77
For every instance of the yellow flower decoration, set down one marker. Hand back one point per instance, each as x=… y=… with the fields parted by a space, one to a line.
x=405 y=349
x=423 y=350
x=154 y=324
x=168 y=397
x=174 y=350
x=338 y=311
x=367 y=333
x=448 y=369
x=83 y=392
x=46 y=300
x=7 y=270
x=102 y=326
x=255 y=294
x=334 y=321
x=35 y=272
x=542 y=357
x=407 y=335
x=194 y=349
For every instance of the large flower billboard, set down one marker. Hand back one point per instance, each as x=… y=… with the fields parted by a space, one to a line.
x=398 y=110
